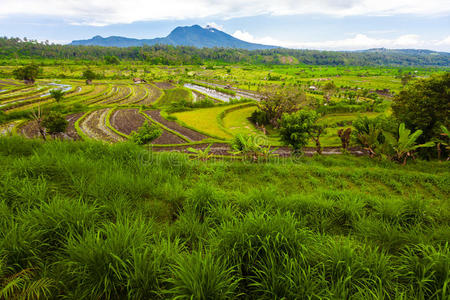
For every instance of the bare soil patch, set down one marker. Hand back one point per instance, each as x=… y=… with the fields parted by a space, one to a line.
x=164 y=85
x=70 y=131
x=189 y=133
x=167 y=138
x=127 y=120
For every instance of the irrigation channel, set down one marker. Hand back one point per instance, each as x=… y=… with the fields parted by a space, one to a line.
x=58 y=86
x=211 y=93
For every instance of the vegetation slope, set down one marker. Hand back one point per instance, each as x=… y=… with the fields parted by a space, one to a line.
x=86 y=220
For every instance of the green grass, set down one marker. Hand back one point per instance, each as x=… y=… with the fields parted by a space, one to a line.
x=237 y=121
x=175 y=95
x=87 y=220
x=205 y=120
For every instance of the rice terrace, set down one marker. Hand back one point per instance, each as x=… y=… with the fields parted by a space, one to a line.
x=202 y=166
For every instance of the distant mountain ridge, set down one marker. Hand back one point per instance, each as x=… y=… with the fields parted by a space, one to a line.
x=195 y=36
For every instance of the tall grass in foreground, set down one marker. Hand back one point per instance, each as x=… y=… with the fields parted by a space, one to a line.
x=90 y=221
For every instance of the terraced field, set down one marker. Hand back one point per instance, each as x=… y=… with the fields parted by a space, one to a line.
x=94 y=126
x=121 y=93
x=139 y=93
x=153 y=94
x=127 y=120
x=186 y=132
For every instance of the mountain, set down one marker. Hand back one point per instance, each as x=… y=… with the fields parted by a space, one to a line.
x=196 y=36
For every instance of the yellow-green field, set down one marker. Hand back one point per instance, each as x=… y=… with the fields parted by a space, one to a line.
x=205 y=120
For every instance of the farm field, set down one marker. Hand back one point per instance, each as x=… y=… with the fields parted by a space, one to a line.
x=166 y=90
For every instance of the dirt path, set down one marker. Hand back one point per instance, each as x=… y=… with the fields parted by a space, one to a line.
x=224 y=149
x=168 y=138
x=164 y=85
x=188 y=133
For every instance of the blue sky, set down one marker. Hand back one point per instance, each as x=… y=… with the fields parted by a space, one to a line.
x=312 y=24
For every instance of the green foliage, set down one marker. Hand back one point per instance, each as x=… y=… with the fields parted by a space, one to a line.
x=170 y=55
x=28 y=73
x=328 y=90
x=251 y=147
x=201 y=154
x=87 y=220
x=296 y=128
x=57 y=95
x=146 y=133
x=277 y=101
x=88 y=74
x=201 y=276
x=425 y=106
x=401 y=148
x=54 y=122
x=259 y=117
x=112 y=60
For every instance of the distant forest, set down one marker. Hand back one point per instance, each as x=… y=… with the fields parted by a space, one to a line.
x=16 y=48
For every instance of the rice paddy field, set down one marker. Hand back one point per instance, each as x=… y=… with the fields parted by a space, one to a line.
x=90 y=215
x=166 y=87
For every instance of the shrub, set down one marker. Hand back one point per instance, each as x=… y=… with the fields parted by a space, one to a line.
x=146 y=133
x=259 y=117
x=54 y=123
x=296 y=128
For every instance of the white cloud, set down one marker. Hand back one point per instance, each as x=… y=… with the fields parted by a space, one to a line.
x=357 y=42
x=104 y=12
x=215 y=25
x=444 y=42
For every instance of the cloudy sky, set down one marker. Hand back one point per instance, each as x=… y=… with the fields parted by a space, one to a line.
x=312 y=24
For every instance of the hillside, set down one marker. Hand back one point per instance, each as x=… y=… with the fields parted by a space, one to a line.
x=87 y=220
x=194 y=36
x=13 y=48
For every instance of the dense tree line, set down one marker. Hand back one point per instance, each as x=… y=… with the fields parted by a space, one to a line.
x=170 y=55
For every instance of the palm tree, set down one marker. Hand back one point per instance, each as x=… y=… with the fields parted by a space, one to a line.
x=403 y=147
x=23 y=284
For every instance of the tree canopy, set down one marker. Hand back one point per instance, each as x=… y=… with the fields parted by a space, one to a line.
x=425 y=106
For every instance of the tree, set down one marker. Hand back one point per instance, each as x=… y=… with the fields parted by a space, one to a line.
x=28 y=73
x=89 y=75
x=296 y=128
x=425 y=106
x=405 y=79
x=402 y=148
x=328 y=90
x=112 y=60
x=57 y=94
x=277 y=101
x=54 y=123
x=344 y=135
x=316 y=131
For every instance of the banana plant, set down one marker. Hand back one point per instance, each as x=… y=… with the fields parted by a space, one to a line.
x=267 y=152
x=202 y=154
x=250 y=147
x=403 y=147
